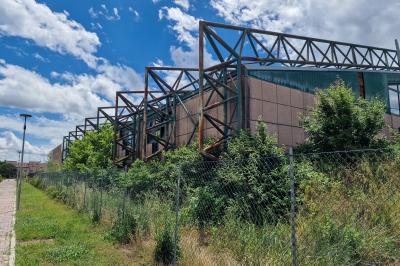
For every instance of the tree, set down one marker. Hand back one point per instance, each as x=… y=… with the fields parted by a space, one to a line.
x=340 y=121
x=93 y=151
x=7 y=170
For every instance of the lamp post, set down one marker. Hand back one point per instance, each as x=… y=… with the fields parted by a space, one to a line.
x=19 y=183
x=19 y=160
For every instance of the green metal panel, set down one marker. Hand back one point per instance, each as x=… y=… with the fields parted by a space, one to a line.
x=376 y=85
x=393 y=78
x=307 y=81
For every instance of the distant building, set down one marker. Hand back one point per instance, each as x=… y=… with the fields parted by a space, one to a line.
x=55 y=155
x=30 y=167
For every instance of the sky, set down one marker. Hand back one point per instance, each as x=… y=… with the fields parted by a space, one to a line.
x=60 y=60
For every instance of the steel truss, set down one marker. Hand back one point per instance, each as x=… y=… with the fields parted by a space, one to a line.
x=146 y=126
x=248 y=46
x=146 y=122
x=91 y=124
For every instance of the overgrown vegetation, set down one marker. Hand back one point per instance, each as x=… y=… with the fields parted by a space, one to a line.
x=7 y=170
x=164 y=251
x=49 y=233
x=94 y=151
x=239 y=207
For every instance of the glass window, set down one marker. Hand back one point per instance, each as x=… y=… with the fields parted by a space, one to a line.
x=394 y=99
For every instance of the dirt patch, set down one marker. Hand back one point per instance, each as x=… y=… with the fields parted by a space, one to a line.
x=36 y=241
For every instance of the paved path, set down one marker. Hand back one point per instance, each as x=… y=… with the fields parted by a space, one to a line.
x=7 y=220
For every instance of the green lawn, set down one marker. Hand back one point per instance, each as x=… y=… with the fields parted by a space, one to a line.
x=50 y=233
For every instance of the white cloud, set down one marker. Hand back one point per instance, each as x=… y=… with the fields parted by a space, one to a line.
x=184 y=24
x=31 y=20
x=183 y=3
x=79 y=94
x=134 y=12
x=10 y=144
x=359 y=21
x=104 y=13
x=40 y=127
x=40 y=58
x=186 y=27
x=26 y=89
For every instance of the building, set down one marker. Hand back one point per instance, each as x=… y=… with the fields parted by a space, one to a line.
x=55 y=155
x=31 y=167
x=258 y=74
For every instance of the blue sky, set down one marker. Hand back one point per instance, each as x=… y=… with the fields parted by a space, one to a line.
x=59 y=60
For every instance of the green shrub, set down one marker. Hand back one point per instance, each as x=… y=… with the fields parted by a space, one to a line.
x=124 y=227
x=206 y=208
x=340 y=121
x=164 y=251
x=96 y=214
x=253 y=175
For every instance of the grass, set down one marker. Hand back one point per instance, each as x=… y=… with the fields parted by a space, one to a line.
x=50 y=233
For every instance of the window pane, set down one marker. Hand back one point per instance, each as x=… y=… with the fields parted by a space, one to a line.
x=394 y=102
x=393 y=87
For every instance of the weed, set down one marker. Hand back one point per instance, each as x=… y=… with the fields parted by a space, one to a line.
x=164 y=252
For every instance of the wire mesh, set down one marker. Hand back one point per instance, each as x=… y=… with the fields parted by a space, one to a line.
x=333 y=208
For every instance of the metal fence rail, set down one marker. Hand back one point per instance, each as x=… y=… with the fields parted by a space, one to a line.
x=334 y=208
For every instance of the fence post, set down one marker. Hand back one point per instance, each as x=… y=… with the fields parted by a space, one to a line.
x=84 y=190
x=125 y=193
x=292 y=207
x=178 y=187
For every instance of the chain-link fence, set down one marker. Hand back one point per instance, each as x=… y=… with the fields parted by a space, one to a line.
x=334 y=208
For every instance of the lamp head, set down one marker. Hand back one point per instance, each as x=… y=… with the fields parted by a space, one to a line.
x=25 y=115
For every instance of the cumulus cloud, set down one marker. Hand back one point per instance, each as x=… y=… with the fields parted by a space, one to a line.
x=184 y=24
x=10 y=144
x=183 y=3
x=28 y=90
x=31 y=20
x=359 y=21
x=185 y=27
x=55 y=129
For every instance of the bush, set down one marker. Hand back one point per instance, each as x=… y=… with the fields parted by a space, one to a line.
x=253 y=174
x=340 y=121
x=164 y=251
x=207 y=206
x=124 y=227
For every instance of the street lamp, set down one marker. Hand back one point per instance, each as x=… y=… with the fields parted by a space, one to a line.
x=19 y=183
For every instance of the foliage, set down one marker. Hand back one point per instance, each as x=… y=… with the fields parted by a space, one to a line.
x=94 y=150
x=254 y=176
x=207 y=206
x=340 y=121
x=124 y=227
x=164 y=251
x=7 y=170
x=159 y=176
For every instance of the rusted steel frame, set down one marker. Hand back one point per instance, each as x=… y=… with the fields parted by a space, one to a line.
x=287 y=35
x=158 y=139
x=207 y=30
x=145 y=107
x=284 y=40
x=219 y=103
x=129 y=105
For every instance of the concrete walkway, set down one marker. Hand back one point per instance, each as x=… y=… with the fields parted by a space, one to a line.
x=7 y=220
